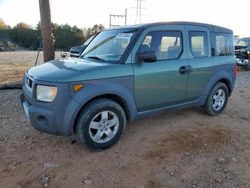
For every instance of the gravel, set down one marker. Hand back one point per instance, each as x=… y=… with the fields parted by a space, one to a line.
x=175 y=149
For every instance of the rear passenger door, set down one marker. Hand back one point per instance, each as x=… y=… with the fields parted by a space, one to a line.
x=199 y=53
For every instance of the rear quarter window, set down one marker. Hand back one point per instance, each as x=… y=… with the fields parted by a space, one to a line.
x=223 y=44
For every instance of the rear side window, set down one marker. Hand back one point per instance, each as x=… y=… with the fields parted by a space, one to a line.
x=165 y=44
x=223 y=44
x=198 y=43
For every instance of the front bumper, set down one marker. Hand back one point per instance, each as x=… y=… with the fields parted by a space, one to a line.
x=242 y=62
x=56 y=117
x=42 y=119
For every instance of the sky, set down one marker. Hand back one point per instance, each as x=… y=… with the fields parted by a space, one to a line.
x=85 y=13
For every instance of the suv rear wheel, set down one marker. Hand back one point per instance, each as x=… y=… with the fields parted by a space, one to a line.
x=217 y=100
x=100 y=124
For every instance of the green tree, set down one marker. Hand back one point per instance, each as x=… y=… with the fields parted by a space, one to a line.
x=67 y=36
x=22 y=26
x=3 y=25
x=97 y=28
x=24 y=36
x=88 y=32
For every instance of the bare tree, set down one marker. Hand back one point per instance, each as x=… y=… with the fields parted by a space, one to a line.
x=46 y=28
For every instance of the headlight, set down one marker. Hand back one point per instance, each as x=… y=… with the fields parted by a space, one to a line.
x=45 y=93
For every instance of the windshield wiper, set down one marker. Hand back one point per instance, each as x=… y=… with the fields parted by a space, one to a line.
x=96 y=58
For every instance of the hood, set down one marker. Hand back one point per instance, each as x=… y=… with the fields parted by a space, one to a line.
x=72 y=69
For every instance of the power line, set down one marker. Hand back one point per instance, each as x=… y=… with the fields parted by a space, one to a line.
x=117 y=16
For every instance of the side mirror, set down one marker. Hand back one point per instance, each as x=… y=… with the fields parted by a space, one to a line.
x=147 y=56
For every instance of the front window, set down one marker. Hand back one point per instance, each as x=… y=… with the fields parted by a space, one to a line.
x=165 y=44
x=109 y=46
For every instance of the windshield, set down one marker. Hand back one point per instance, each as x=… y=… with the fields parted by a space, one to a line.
x=109 y=45
x=88 y=41
x=243 y=42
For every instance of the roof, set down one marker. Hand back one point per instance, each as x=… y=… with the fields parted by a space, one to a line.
x=214 y=28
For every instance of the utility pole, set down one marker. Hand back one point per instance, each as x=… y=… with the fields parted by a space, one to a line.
x=46 y=29
x=125 y=16
x=138 y=13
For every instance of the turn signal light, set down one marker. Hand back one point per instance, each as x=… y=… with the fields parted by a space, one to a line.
x=77 y=87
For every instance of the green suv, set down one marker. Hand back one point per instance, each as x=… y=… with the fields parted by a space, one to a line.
x=128 y=72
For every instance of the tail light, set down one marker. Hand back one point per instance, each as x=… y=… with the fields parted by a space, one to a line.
x=235 y=71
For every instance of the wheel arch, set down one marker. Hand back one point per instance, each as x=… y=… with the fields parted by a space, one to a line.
x=130 y=114
x=221 y=76
x=227 y=83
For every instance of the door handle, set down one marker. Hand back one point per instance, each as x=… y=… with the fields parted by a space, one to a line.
x=187 y=69
x=182 y=70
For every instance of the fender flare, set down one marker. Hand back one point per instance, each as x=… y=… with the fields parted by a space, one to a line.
x=222 y=75
x=96 y=90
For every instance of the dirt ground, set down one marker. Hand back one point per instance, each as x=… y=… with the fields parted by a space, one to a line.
x=13 y=64
x=182 y=148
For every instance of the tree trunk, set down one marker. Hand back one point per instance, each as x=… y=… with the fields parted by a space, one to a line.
x=46 y=29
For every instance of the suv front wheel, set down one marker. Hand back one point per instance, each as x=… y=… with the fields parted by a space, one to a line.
x=217 y=100
x=100 y=124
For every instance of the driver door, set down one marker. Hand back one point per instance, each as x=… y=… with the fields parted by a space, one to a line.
x=160 y=83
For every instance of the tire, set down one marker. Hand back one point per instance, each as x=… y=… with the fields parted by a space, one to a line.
x=217 y=100
x=247 y=67
x=101 y=124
